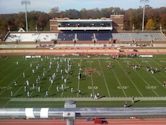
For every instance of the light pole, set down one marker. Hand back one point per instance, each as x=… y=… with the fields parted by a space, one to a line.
x=26 y=2
x=143 y=15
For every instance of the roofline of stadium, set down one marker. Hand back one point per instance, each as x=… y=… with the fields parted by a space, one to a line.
x=124 y=31
x=85 y=20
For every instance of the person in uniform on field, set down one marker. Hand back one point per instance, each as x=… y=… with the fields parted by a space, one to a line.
x=79 y=91
x=164 y=84
x=27 y=82
x=33 y=86
x=91 y=95
x=95 y=97
x=23 y=75
x=28 y=94
x=72 y=90
x=78 y=77
x=65 y=81
x=11 y=93
x=46 y=93
x=133 y=100
x=33 y=71
x=43 y=74
x=51 y=81
x=57 y=89
x=31 y=65
x=62 y=87
x=15 y=83
x=49 y=66
x=62 y=77
x=25 y=88
x=38 y=88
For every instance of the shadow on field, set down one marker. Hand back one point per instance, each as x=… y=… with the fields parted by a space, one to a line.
x=133 y=103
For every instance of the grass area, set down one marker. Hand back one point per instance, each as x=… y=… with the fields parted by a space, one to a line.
x=54 y=104
x=101 y=76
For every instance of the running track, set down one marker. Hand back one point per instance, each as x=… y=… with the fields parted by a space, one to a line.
x=157 y=121
x=84 y=51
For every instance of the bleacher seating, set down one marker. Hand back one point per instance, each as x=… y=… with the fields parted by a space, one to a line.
x=121 y=36
x=13 y=37
x=138 y=36
x=31 y=37
x=85 y=36
x=48 y=37
x=103 y=35
x=66 y=36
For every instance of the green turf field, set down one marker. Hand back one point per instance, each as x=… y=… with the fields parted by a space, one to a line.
x=112 y=81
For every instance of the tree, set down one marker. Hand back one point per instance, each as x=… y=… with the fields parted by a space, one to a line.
x=72 y=14
x=94 y=13
x=150 y=25
x=54 y=12
x=42 y=21
x=163 y=20
x=83 y=14
x=11 y=24
x=20 y=20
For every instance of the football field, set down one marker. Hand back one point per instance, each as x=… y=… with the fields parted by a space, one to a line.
x=92 y=81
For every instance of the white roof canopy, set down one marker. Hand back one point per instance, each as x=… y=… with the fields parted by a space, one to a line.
x=85 y=20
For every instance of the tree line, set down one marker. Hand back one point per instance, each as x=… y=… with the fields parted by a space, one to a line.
x=155 y=18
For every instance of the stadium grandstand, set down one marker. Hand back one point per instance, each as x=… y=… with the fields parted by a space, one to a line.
x=84 y=31
x=83 y=36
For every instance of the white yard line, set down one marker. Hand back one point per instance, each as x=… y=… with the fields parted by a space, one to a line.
x=92 y=83
x=9 y=84
x=119 y=83
x=49 y=87
x=148 y=84
x=78 y=87
x=15 y=79
x=158 y=81
x=17 y=90
x=6 y=76
x=145 y=81
x=130 y=79
x=22 y=86
x=6 y=103
x=106 y=84
x=158 y=65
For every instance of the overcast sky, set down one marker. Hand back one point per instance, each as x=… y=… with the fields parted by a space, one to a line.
x=14 y=6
